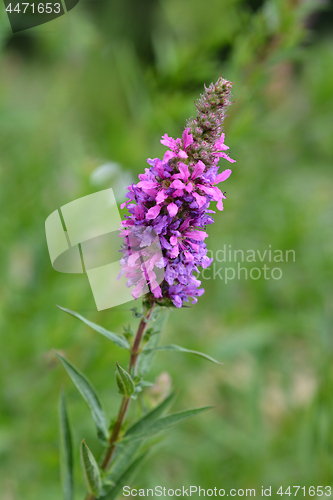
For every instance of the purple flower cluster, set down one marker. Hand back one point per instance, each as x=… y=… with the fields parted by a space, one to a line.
x=172 y=201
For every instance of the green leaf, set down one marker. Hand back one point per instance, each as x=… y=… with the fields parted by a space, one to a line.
x=145 y=362
x=164 y=423
x=178 y=348
x=67 y=450
x=90 y=470
x=145 y=422
x=89 y=394
x=123 y=456
x=127 y=450
x=125 y=478
x=136 y=313
x=114 y=337
x=125 y=382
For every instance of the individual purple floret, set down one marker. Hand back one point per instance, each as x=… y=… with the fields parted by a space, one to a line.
x=171 y=201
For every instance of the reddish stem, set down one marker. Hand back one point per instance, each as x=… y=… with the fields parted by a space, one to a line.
x=135 y=351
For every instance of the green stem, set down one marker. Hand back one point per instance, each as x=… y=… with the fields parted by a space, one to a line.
x=135 y=352
x=112 y=442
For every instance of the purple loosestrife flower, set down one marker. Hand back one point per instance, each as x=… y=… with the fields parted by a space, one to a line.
x=171 y=202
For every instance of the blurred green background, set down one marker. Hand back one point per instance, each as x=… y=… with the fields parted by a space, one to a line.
x=84 y=101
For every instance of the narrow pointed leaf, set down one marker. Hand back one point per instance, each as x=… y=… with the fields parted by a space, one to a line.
x=125 y=382
x=89 y=394
x=125 y=478
x=90 y=470
x=165 y=423
x=124 y=455
x=126 y=451
x=114 y=337
x=145 y=422
x=178 y=348
x=67 y=450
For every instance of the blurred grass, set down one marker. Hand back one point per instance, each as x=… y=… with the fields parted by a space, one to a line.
x=102 y=84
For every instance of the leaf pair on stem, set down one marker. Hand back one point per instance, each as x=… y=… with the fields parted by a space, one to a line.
x=122 y=456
